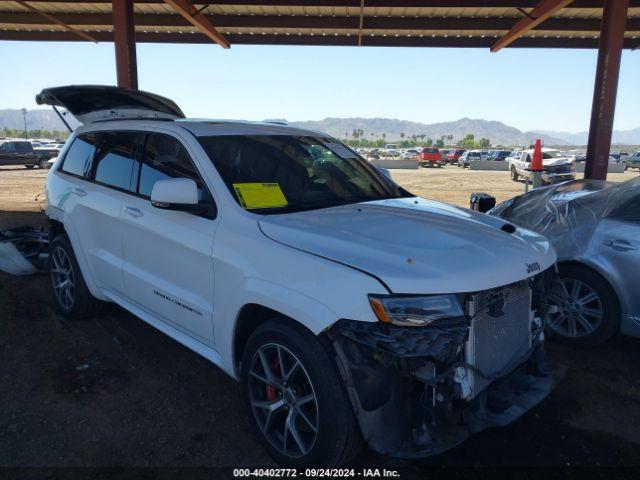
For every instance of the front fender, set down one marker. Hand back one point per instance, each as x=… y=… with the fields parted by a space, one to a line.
x=307 y=311
x=311 y=313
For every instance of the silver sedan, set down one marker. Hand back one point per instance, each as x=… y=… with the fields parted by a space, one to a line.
x=595 y=228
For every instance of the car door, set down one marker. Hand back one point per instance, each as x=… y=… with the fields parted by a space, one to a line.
x=168 y=263
x=7 y=154
x=92 y=208
x=24 y=153
x=523 y=164
x=620 y=245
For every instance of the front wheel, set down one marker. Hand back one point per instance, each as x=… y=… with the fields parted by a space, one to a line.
x=514 y=174
x=587 y=309
x=42 y=164
x=298 y=405
x=29 y=166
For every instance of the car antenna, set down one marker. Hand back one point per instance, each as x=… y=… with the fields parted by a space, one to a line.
x=63 y=120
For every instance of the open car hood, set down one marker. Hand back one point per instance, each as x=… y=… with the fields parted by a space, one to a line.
x=90 y=103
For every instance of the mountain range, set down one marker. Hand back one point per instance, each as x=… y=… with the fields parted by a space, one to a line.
x=373 y=128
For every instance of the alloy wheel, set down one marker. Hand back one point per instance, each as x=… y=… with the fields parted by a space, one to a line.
x=579 y=308
x=283 y=400
x=62 y=278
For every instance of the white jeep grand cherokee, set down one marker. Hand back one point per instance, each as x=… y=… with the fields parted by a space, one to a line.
x=348 y=308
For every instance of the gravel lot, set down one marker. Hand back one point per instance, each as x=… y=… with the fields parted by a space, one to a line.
x=112 y=391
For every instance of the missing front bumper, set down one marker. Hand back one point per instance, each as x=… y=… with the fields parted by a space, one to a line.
x=403 y=389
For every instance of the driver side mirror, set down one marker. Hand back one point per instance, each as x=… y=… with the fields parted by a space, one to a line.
x=176 y=194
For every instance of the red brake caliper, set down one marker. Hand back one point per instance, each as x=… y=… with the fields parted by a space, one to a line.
x=270 y=389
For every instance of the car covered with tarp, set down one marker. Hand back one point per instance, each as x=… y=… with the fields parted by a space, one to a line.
x=594 y=227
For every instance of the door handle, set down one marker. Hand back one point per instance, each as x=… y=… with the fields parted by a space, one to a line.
x=620 y=245
x=79 y=192
x=134 y=212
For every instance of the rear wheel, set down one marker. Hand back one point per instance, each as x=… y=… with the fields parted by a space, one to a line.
x=588 y=311
x=514 y=174
x=297 y=402
x=70 y=292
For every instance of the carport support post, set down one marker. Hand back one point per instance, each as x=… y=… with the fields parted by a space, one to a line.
x=125 y=42
x=614 y=18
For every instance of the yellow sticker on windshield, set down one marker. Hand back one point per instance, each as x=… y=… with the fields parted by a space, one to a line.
x=260 y=195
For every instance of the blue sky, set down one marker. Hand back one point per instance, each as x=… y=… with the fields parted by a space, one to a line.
x=528 y=89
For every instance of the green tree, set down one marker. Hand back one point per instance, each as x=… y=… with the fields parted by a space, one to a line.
x=484 y=143
x=468 y=141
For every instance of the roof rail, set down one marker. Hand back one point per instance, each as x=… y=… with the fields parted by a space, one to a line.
x=115 y=119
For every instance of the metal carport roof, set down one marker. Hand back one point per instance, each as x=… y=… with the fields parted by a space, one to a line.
x=419 y=23
x=608 y=25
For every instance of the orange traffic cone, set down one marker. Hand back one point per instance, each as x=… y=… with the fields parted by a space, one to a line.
x=536 y=162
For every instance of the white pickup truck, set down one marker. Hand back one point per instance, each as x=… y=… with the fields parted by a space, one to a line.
x=556 y=167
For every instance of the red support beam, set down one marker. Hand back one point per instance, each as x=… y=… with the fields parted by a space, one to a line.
x=544 y=10
x=198 y=19
x=614 y=17
x=55 y=19
x=125 y=43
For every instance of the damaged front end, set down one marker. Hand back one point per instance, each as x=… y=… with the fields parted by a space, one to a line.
x=418 y=391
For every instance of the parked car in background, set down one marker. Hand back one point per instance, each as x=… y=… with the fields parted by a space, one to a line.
x=21 y=152
x=410 y=154
x=632 y=161
x=430 y=157
x=468 y=157
x=391 y=150
x=284 y=258
x=594 y=227
x=579 y=156
x=499 y=155
x=453 y=156
x=557 y=166
x=375 y=153
x=392 y=153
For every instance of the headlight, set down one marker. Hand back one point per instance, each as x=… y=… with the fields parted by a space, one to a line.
x=415 y=310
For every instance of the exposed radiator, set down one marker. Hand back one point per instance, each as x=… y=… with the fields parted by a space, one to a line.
x=500 y=332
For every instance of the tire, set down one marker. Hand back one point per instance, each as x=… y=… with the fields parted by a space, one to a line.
x=30 y=166
x=514 y=174
x=42 y=164
x=75 y=302
x=337 y=437
x=605 y=301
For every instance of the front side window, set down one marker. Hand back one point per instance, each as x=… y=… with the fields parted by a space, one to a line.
x=115 y=162
x=164 y=158
x=79 y=157
x=23 y=147
x=280 y=173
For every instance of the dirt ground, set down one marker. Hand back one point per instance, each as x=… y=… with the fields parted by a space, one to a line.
x=455 y=185
x=113 y=391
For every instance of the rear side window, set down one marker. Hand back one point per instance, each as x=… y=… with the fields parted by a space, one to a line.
x=115 y=162
x=80 y=155
x=163 y=158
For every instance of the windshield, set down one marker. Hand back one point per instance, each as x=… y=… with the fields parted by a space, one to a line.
x=282 y=173
x=551 y=154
